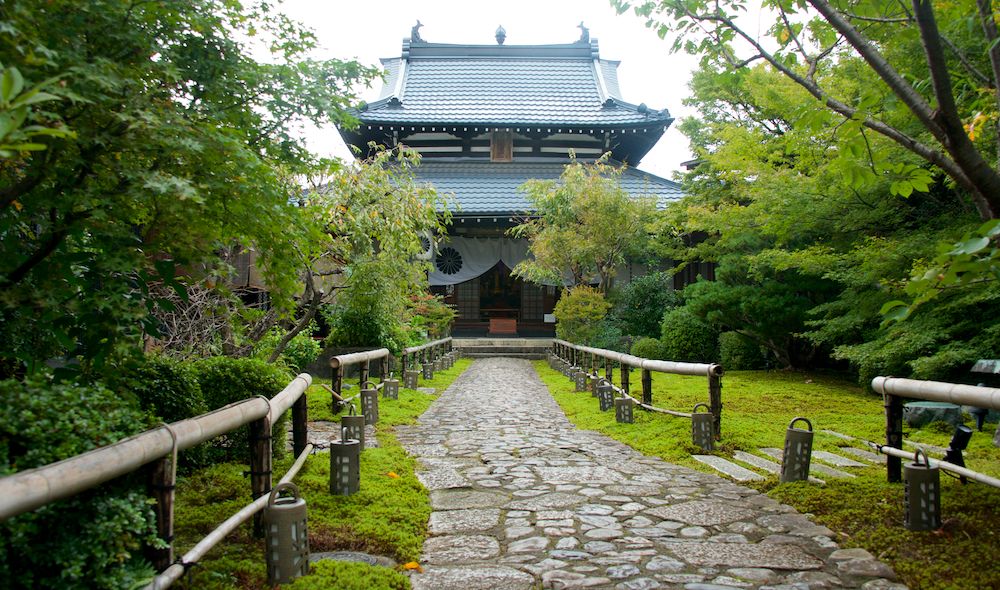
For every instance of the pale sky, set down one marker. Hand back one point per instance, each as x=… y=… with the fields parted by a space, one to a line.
x=367 y=31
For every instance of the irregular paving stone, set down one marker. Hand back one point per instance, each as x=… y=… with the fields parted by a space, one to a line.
x=639 y=584
x=529 y=545
x=472 y=578
x=455 y=521
x=622 y=571
x=728 y=467
x=551 y=500
x=866 y=567
x=458 y=499
x=781 y=557
x=452 y=549
x=665 y=563
x=701 y=513
x=439 y=479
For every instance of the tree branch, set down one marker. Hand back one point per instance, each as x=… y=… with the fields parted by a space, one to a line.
x=989 y=25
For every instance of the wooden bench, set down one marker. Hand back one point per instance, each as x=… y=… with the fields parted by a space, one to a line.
x=503 y=326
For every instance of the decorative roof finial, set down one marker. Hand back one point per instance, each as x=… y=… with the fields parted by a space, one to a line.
x=415 y=33
x=584 y=33
x=501 y=35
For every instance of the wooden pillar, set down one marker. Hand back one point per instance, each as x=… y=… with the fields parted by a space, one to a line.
x=260 y=467
x=386 y=364
x=593 y=364
x=338 y=386
x=609 y=371
x=647 y=387
x=625 y=371
x=363 y=371
x=715 y=402
x=403 y=363
x=161 y=489
x=300 y=425
x=893 y=436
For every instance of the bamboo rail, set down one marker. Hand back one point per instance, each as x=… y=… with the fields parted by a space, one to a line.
x=429 y=351
x=894 y=390
x=577 y=355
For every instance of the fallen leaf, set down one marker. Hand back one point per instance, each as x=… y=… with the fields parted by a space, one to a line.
x=413 y=566
x=393 y=475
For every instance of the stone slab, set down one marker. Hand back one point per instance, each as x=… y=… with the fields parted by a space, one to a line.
x=483 y=577
x=702 y=513
x=459 y=499
x=931 y=448
x=917 y=414
x=813 y=466
x=836 y=460
x=863 y=454
x=592 y=474
x=455 y=549
x=839 y=435
x=546 y=501
x=728 y=467
x=468 y=520
x=779 y=557
x=758 y=462
x=442 y=479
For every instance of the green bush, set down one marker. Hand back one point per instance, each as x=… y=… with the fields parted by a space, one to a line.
x=93 y=539
x=739 y=353
x=579 y=313
x=165 y=387
x=648 y=348
x=687 y=338
x=431 y=316
x=608 y=336
x=640 y=305
x=225 y=380
x=298 y=353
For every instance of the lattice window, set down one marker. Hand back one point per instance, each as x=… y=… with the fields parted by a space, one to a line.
x=531 y=303
x=467 y=294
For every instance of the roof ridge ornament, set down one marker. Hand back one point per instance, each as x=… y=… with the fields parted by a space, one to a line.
x=501 y=35
x=415 y=33
x=584 y=33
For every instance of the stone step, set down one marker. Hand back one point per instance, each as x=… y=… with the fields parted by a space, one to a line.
x=863 y=454
x=502 y=353
x=836 y=460
x=838 y=434
x=728 y=467
x=478 y=349
x=762 y=463
x=813 y=466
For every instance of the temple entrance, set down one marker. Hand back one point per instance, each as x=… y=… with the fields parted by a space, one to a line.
x=497 y=303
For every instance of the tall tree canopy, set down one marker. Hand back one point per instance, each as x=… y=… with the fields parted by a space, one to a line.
x=184 y=144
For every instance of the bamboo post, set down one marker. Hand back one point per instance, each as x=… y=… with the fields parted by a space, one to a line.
x=300 y=425
x=893 y=436
x=386 y=363
x=609 y=371
x=260 y=466
x=647 y=387
x=363 y=371
x=403 y=364
x=338 y=386
x=161 y=487
x=625 y=371
x=715 y=402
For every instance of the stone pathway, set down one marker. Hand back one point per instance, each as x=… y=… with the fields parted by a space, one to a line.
x=521 y=499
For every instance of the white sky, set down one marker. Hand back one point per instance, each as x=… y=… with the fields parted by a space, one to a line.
x=648 y=72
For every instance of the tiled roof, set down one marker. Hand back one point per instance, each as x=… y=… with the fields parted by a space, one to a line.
x=475 y=84
x=492 y=187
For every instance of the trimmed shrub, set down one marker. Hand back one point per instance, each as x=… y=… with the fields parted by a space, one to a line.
x=686 y=337
x=225 y=380
x=640 y=305
x=579 y=313
x=608 y=336
x=739 y=353
x=165 y=387
x=648 y=348
x=94 y=539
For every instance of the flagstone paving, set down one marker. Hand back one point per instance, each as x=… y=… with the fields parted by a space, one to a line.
x=522 y=499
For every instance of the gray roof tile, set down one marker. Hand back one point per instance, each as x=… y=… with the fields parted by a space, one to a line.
x=492 y=187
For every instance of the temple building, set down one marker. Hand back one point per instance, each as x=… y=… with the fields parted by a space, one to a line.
x=487 y=118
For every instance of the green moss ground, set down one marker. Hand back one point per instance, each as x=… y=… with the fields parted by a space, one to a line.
x=864 y=512
x=388 y=516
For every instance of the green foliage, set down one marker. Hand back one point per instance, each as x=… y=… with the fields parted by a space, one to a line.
x=739 y=353
x=688 y=338
x=648 y=348
x=94 y=539
x=639 y=306
x=370 y=312
x=350 y=576
x=430 y=316
x=225 y=380
x=301 y=350
x=16 y=104
x=608 y=335
x=184 y=145
x=586 y=223
x=165 y=387
x=578 y=314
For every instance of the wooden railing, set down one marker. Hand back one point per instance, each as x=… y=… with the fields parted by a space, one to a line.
x=894 y=391
x=586 y=358
x=428 y=352
x=156 y=448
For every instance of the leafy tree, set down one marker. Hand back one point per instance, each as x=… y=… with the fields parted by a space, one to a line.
x=586 y=225
x=639 y=306
x=184 y=145
x=579 y=313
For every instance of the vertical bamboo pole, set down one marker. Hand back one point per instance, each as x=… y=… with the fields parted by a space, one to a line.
x=363 y=371
x=260 y=467
x=609 y=371
x=647 y=387
x=300 y=424
x=715 y=402
x=161 y=488
x=893 y=436
x=386 y=363
x=338 y=386
x=625 y=371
